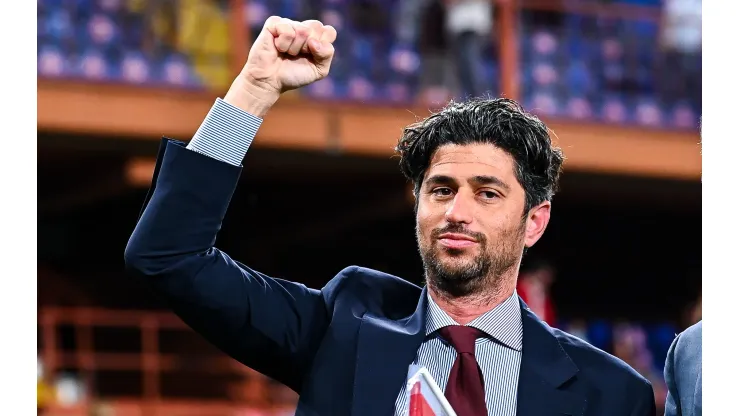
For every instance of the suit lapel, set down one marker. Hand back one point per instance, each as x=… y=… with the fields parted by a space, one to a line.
x=385 y=350
x=545 y=368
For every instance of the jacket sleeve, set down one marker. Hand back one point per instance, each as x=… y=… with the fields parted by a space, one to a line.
x=644 y=400
x=271 y=325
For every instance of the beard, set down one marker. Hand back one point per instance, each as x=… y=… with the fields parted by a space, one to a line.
x=460 y=275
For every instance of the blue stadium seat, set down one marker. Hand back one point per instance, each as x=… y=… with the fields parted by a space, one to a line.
x=654 y=3
x=648 y=111
x=94 y=65
x=605 y=63
x=604 y=69
x=106 y=40
x=52 y=61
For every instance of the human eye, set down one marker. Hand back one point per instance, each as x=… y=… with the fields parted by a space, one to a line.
x=488 y=194
x=441 y=192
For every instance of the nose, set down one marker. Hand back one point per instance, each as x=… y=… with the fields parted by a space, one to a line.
x=460 y=210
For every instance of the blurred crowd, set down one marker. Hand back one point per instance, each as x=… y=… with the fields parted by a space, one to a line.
x=585 y=66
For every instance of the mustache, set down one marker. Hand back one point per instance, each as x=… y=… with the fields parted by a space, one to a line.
x=457 y=229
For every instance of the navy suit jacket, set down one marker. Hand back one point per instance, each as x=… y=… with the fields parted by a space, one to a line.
x=683 y=373
x=345 y=348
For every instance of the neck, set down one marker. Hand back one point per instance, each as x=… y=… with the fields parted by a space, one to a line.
x=464 y=309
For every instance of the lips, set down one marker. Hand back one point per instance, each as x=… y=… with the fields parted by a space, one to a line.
x=458 y=241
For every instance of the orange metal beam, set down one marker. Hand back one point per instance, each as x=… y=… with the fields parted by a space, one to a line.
x=239 y=35
x=508 y=39
x=588 y=147
x=148 y=114
x=150 y=359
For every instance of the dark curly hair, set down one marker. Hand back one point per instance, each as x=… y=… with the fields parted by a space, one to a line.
x=499 y=121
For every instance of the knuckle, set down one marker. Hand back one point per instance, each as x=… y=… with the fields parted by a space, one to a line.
x=329 y=33
x=301 y=30
x=288 y=32
x=286 y=23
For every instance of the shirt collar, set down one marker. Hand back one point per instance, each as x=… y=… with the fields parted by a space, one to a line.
x=503 y=323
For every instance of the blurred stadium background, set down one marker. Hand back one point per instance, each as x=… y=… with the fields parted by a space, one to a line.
x=619 y=81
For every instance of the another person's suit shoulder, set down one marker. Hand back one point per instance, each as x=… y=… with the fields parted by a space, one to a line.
x=682 y=372
x=685 y=351
x=379 y=293
x=690 y=338
x=599 y=367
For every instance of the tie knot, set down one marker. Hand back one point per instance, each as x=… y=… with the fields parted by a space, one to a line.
x=462 y=338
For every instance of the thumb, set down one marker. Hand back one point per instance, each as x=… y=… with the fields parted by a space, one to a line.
x=268 y=34
x=271 y=25
x=265 y=42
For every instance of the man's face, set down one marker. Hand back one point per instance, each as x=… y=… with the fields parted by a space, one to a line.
x=470 y=225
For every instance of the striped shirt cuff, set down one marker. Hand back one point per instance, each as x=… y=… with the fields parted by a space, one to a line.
x=226 y=133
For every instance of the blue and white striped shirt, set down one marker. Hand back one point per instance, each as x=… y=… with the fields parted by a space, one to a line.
x=499 y=357
x=226 y=134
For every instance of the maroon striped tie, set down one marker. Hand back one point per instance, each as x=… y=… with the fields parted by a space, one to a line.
x=465 y=390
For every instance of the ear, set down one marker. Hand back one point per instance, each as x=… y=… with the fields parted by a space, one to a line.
x=537 y=220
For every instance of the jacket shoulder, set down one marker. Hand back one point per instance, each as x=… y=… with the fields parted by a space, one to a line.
x=373 y=291
x=690 y=337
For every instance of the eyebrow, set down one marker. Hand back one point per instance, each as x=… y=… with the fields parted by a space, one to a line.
x=475 y=180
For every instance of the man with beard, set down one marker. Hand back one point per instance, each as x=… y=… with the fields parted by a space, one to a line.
x=484 y=173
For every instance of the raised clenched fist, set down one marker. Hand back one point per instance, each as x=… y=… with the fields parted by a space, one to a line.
x=286 y=55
